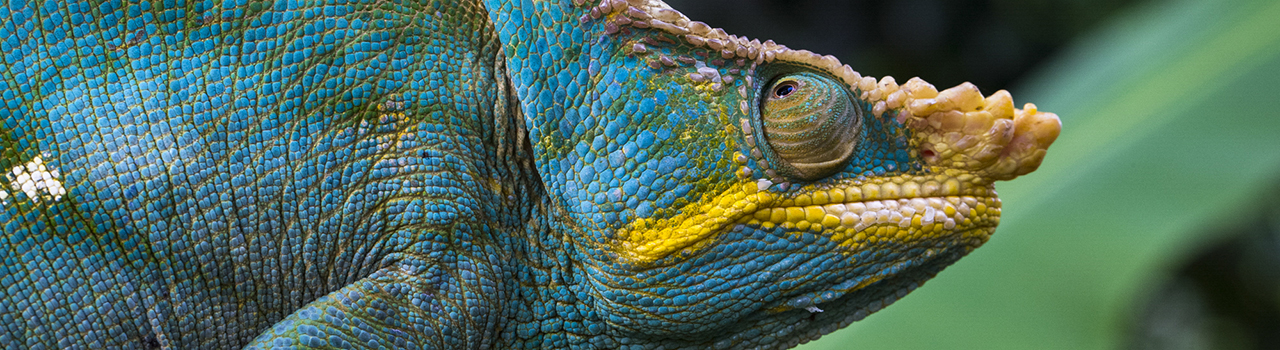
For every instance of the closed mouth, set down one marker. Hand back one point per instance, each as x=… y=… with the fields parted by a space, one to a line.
x=911 y=207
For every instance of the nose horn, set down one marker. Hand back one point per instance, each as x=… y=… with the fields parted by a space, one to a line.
x=958 y=128
x=1033 y=132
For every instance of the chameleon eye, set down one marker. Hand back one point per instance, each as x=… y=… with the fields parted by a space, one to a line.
x=811 y=123
x=785 y=89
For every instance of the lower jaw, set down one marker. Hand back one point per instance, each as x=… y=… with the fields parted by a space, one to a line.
x=931 y=253
x=830 y=314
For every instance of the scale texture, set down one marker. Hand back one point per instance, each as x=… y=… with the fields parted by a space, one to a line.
x=467 y=174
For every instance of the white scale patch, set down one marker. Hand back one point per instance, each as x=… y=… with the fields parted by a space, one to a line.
x=34 y=179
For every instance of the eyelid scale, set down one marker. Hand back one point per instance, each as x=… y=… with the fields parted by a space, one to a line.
x=813 y=128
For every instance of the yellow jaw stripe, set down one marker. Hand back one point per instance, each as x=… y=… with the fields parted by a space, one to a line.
x=902 y=209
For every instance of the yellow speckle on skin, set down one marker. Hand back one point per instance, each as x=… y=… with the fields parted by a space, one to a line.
x=951 y=186
x=830 y=221
x=871 y=191
x=814 y=213
x=848 y=219
x=821 y=197
x=929 y=188
x=778 y=215
x=836 y=195
x=795 y=214
x=910 y=189
x=892 y=190
x=852 y=194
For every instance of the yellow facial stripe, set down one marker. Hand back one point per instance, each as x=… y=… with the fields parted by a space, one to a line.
x=649 y=239
x=901 y=209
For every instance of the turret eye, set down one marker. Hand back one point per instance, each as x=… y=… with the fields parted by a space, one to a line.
x=811 y=123
x=785 y=88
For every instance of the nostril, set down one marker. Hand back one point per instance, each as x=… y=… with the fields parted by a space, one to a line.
x=927 y=154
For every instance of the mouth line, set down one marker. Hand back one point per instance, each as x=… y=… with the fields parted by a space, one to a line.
x=919 y=212
x=899 y=283
x=899 y=187
x=929 y=202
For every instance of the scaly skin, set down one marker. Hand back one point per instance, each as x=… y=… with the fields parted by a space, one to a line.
x=478 y=174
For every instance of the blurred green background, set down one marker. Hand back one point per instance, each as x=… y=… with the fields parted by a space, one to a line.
x=1153 y=222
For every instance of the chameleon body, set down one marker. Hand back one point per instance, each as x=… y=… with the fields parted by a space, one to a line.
x=467 y=174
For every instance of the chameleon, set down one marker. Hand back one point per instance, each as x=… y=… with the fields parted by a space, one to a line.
x=468 y=174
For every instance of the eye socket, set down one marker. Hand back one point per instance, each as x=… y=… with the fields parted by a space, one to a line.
x=811 y=123
x=785 y=89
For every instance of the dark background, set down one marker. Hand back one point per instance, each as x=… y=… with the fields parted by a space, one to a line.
x=988 y=42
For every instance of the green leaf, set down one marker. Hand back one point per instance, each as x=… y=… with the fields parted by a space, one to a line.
x=1170 y=132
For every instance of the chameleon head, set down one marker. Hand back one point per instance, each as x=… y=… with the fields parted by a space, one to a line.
x=722 y=183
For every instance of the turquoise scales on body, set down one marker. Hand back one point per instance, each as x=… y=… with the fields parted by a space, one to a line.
x=450 y=174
